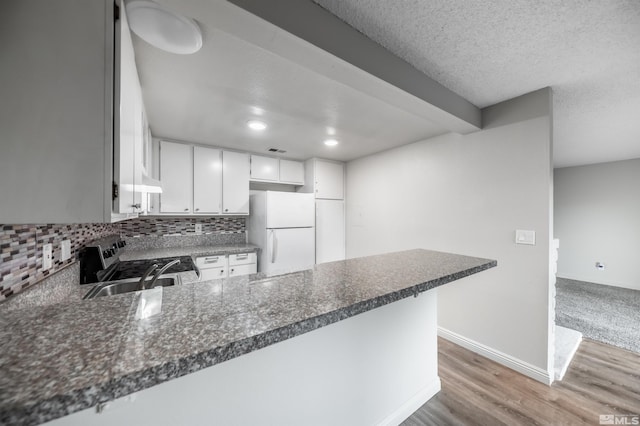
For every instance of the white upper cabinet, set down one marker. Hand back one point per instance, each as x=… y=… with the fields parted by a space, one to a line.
x=292 y=172
x=128 y=142
x=264 y=168
x=207 y=180
x=235 y=182
x=57 y=111
x=329 y=180
x=176 y=175
x=274 y=170
x=203 y=181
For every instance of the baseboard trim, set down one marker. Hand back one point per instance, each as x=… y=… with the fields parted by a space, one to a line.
x=592 y=281
x=516 y=364
x=415 y=402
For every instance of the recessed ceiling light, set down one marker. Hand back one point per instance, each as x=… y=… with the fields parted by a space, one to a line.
x=256 y=125
x=331 y=142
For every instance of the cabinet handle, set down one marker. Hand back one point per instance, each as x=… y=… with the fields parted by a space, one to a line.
x=221 y=271
x=197 y=210
x=226 y=210
x=186 y=210
x=211 y=260
x=136 y=206
x=241 y=256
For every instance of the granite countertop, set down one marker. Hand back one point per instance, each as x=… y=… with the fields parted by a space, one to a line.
x=196 y=251
x=60 y=359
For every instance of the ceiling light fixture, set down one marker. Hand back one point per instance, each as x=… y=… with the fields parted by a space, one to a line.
x=331 y=142
x=256 y=125
x=163 y=29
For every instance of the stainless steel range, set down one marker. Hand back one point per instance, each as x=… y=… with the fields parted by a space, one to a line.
x=100 y=262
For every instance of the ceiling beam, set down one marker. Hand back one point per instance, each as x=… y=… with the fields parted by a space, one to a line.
x=315 y=25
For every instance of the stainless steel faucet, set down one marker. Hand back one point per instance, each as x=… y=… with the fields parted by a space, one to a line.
x=157 y=274
x=148 y=272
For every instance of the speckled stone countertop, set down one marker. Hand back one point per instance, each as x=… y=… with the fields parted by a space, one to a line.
x=63 y=358
x=187 y=251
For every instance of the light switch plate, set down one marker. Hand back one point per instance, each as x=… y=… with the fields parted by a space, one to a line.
x=65 y=250
x=47 y=256
x=525 y=237
x=198 y=229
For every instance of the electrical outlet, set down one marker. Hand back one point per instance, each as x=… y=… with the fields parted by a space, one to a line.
x=47 y=256
x=198 y=229
x=65 y=249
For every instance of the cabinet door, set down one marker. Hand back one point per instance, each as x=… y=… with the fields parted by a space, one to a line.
x=292 y=172
x=176 y=175
x=329 y=180
x=235 y=182
x=330 y=240
x=207 y=180
x=264 y=168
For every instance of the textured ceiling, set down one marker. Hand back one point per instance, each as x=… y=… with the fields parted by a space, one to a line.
x=488 y=51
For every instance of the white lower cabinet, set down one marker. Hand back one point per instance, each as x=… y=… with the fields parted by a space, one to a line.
x=223 y=266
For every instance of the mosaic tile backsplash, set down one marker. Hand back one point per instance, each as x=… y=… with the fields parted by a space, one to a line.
x=159 y=226
x=21 y=245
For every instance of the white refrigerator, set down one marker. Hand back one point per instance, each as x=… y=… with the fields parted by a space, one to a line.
x=282 y=225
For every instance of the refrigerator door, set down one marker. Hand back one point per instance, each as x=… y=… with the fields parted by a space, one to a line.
x=289 y=210
x=289 y=250
x=330 y=231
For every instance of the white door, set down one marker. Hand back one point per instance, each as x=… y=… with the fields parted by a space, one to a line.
x=176 y=175
x=207 y=180
x=235 y=182
x=329 y=180
x=289 y=250
x=290 y=210
x=330 y=240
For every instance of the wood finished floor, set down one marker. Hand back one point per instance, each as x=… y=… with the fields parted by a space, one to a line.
x=602 y=379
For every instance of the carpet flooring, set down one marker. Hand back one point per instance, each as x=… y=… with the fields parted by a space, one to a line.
x=604 y=313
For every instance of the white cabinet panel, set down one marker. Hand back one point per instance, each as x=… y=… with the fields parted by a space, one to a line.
x=176 y=175
x=329 y=180
x=235 y=182
x=213 y=273
x=292 y=172
x=207 y=180
x=237 y=270
x=330 y=238
x=264 y=168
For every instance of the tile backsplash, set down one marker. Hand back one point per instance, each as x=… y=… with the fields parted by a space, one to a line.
x=159 y=226
x=21 y=245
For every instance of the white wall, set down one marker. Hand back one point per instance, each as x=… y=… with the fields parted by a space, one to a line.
x=597 y=219
x=467 y=194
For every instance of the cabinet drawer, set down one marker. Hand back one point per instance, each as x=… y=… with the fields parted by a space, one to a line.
x=213 y=273
x=237 y=270
x=242 y=259
x=211 y=261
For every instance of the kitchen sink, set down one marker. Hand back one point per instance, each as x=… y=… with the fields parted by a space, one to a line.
x=111 y=288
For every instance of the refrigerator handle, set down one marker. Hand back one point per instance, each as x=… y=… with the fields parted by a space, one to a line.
x=274 y=246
